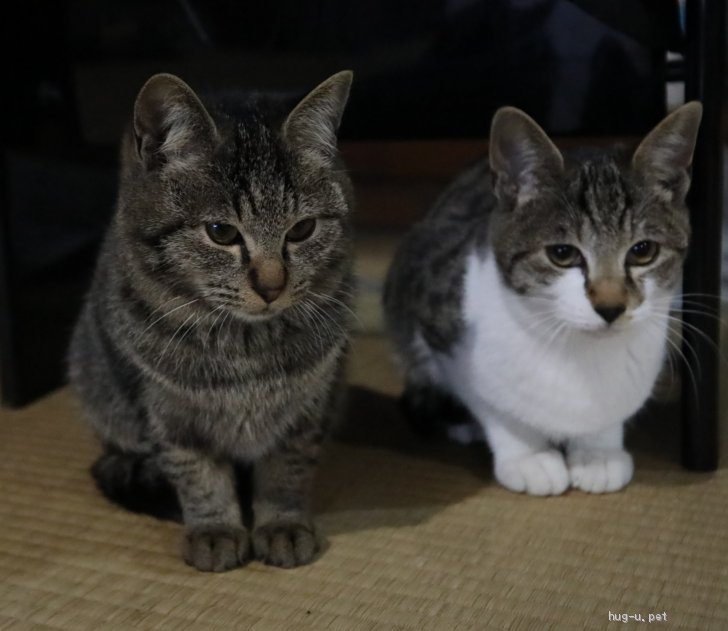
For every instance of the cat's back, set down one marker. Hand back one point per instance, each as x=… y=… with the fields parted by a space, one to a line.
x=424 y=288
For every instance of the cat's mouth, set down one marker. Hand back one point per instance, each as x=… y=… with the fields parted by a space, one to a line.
x=266 y=313
x=603 y=329
x=260 y=314
x=244 y=310
x=255 y=317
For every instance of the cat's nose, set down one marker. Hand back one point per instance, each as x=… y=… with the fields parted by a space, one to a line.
x=608 y=297
x=609 y=313
x=268 y=279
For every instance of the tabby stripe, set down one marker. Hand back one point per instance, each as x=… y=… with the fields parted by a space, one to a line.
x=125 y=371
x=239 y=180
x=584 y=203
x=515 y=260
x=154 y=240
x=625 y=209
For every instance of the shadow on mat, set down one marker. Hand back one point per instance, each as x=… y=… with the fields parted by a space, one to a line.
x=379 y=473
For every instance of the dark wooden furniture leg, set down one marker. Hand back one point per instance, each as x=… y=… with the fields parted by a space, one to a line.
x=705 y=51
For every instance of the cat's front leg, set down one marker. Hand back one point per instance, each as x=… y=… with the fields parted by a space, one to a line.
x=215 y=539
x=598 y=462
x=524 y=460
x=284 y=533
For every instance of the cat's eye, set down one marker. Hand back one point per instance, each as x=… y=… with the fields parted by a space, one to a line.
x=643 y=253
x=222 y=233
x=564 y=255
x=301 y=231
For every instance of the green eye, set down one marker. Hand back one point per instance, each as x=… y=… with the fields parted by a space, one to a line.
x=564 y=255
x=643 y=253
x=301 y=231
x=222 y=233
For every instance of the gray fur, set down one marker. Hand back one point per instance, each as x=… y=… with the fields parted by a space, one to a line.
x=525 y=197
x=179 y=360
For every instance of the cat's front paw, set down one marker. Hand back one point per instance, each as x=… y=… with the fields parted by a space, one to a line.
x=285 y=544
x=216 y=549
x=600 y=470
x=540 y=473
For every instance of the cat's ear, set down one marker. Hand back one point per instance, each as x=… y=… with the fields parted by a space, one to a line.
x=312 y=125
x=170 y=122
x=522 y=156
x=664 y=157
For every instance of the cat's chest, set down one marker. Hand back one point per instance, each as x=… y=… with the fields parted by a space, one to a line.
x=240 y=396
x=564 y=385
x=243 y=420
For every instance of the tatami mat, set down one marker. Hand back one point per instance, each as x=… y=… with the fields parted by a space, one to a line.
x=418 y=537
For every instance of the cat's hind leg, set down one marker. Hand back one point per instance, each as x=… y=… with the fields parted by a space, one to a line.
x=135 y=481
x=432 y=411
x=429 y=407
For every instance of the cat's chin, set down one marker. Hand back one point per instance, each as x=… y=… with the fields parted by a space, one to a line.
x=259 y=316
x=603 y=330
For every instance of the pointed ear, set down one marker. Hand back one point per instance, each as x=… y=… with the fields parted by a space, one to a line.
x=312 y=125
x=522 y=156
x=170 y=122
x=664 y=157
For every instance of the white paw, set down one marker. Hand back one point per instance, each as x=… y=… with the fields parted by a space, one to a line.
x=600 y=470
x=540 y=473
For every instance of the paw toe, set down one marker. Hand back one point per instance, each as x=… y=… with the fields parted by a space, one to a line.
x=285 y=545
x=540 y=473
x=600 y=471
x=216 y=549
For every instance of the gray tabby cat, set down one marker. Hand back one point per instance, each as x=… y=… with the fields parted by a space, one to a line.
x=215 y=331
x=539 y=303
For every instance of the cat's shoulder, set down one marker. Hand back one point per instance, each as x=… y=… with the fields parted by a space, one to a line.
x=425 y=283
x=467 y=201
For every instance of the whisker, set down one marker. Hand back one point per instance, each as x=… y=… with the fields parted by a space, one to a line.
x=220 y=308
x=306 y=315
x=696 y=331
x=704 y=314
x=340 y=303
x=222 y=324
x=699 y=295
x=166 y=346
x=159 y=307
x=678 y=351
x=328 y=317
x=159 y=319
x=187 y=332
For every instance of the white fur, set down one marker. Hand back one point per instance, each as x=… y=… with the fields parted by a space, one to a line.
x=546 y=373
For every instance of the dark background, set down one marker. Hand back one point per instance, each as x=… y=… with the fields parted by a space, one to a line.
x=424 y=69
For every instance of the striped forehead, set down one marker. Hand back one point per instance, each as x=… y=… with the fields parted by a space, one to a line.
x=259 y=172
x=602 y=197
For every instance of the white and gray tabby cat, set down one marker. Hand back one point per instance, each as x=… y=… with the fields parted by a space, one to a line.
x=539 y=299
x=216 y=327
